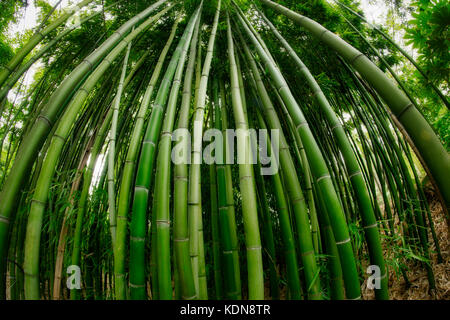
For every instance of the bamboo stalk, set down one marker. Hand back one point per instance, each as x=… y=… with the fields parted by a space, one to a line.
x=137 y=227
x=247 y=184
x=422 y=135
x=37 y=134
x=112 y=147
x=353 y=170
x=162 y=186
x=292 y=184
x=319 y=171
x=180 y=223
x=194 y=195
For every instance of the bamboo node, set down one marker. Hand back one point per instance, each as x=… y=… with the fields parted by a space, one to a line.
x=83 y=89
x=118 y=32
x=245 y=177
x=301 y=124
x=30 y=274
x=8 y=68
x=163 y=222
x=307 y=253
x=254 y=248
x=353 y=60
x=354 y=174
x=107 y=60
x=138 y=239
x=404 y=110
x=41 y=116
x=149 y=142
x=40 y=33
x=284 y=85
x=91 y=66
x=343 y=241
x=38 y=201
x=141 y=187
x=157 y=105
x=4 y=219
x=323 y=33
x=59 y=137
x=371 y=226
x=323 y=177
x=299 y=199
x=137 y=285
x=337 y=125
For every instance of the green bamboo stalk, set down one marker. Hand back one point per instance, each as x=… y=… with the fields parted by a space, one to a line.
x=287 y=236
x=422 y=135
x=215 y=234
x=354 y=172
x=247 y=183
x=330 y=248
x=137 y=227
x=216 y=246
x=319 y=171
x=34 y=139
x=112 y=147
x=180 y=225
x=193 y=226
x=292 y=184
x=194 y=195
x=162 y=186
x=302 y=159
x=268 y=237
x=227 y=220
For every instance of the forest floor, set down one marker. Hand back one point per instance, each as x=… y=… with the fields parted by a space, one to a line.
x=416 y=272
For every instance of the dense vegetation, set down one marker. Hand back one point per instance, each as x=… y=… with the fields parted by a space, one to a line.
x=86 y=175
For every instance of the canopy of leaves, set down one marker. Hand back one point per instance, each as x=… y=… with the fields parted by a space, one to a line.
x=429 y=33
x=8 y=9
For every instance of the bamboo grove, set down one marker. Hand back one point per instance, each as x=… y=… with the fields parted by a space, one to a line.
x=87 y=178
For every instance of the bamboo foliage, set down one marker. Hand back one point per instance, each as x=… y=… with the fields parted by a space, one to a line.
x=36 y=38
x=12 y=79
